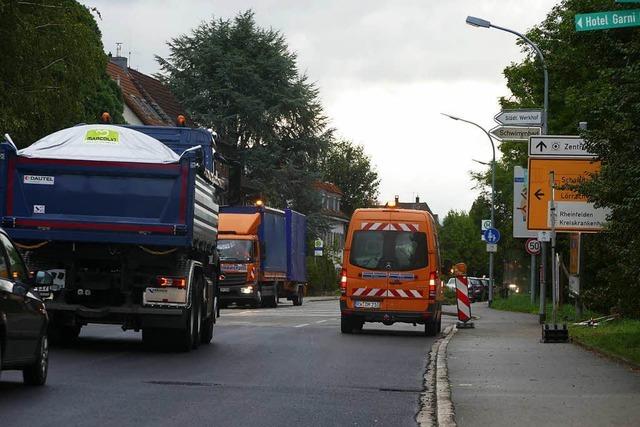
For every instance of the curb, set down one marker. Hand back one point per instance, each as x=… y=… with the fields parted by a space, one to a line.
x=318 y=299
x=436 y=407
x=603 y=353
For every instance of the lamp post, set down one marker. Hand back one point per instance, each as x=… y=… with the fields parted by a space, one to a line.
x=493 y=192
x=483 y=23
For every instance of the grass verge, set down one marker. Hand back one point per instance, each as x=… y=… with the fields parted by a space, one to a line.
x=617 y=338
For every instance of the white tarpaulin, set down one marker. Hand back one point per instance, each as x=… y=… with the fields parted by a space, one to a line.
x=101 y=143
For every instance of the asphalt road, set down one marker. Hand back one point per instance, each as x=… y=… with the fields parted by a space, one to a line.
x=267 y=367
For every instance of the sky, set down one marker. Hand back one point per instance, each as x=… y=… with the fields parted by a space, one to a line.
x=386 y=69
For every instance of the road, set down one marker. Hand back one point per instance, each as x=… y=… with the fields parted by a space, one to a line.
x=267 y=367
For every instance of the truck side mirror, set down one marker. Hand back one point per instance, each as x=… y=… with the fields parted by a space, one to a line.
x=44 y=278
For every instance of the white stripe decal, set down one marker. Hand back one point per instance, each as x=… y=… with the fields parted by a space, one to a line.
x=372 y=292
x=465 y=309
x=415 y=293
x=402 y=293
x=359 y=291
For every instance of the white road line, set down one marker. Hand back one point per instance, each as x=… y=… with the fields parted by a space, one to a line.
x=321 y=321
x=301 y=326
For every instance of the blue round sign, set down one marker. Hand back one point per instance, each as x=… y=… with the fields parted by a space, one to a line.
x=492 y=235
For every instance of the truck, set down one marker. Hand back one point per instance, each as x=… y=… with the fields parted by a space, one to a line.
x=262 y=255
x=125 y=224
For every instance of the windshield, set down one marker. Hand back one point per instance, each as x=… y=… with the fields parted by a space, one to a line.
x=389 y=250
x=235 y=250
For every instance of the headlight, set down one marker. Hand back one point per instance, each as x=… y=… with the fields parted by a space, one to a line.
x=247 y=290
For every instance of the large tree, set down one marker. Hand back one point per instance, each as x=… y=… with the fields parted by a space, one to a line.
x=243 y=81
x=348 y=166
x=595 y=77
x=460 y=242
x=53 y=72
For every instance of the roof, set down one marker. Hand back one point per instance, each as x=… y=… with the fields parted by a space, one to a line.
x=328 y=187
x=151 y=101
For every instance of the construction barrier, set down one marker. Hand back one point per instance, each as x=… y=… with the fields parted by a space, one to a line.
x=464 y=304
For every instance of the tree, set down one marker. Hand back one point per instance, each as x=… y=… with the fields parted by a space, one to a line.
x=243 y=81
x=460 y=242
x=595 y=77
x=347 y=166
x=54 y=70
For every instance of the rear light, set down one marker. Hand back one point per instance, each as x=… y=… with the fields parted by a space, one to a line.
x=433 y=281
x=343 y=282
x=171 y=282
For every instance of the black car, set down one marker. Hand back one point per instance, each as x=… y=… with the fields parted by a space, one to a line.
x=23 y=318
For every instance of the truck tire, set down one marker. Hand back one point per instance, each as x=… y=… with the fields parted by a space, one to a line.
x=63 y=334
x=36 y=374
x=184 y=338
x=431 y=328
x=346 y=325
x=298 y=298
x=273 y=300
x=257 y=303
x=206 y=330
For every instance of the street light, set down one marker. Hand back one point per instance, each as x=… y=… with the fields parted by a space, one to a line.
x=493 y=192
x=483 y=23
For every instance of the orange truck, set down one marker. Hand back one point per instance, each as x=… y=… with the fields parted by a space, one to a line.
x=391 y=270
x=262 y=256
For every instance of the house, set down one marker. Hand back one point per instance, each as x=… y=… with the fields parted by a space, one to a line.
x=331 y=197
x=417 y=205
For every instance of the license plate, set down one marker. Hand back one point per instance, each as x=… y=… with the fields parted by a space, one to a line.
x=224 y=289
x=367 y=304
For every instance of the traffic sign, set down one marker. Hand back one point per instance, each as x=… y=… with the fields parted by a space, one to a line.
x=558 y=146
x=544 y=236
x=519 y=117
x=485 y=224
x=318 y=244
x=520 y=200
x=514 y=133
x=533 y=246
x=492 y=247
x=573 y=211
x=607 y=20
x=491 y=235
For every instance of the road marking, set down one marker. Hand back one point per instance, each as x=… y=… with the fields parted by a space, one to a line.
x=321 y=321
x=301 y=326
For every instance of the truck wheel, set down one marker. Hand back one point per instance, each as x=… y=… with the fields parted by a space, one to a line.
x=36 y=374
x=184 y=338
x=299 y=297
x=206 y=332
x=346 y=325
x=63 y=334
x=431 y=328
x=257 y=303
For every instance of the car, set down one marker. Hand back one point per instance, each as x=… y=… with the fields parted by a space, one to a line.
x=23 y=318
x=391 y=270
x=451 y=284
x=477 y=291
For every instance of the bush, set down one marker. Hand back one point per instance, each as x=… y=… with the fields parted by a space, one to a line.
x=322 y=275
x=450 y=297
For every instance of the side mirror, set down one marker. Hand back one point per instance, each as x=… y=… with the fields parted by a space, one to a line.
x=44 y=278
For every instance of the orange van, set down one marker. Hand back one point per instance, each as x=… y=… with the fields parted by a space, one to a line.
x=391 y=270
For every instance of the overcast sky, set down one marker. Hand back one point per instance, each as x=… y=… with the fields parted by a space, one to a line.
x=385 y=69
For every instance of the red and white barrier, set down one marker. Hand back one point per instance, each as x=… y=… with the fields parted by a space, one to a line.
x=462 y=296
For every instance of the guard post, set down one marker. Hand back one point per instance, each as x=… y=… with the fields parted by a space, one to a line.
x=462 y=296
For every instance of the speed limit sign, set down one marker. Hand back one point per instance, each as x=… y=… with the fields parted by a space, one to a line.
x=532 y=246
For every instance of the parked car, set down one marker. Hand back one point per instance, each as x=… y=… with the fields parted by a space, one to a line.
x=477 y=291
x=23 y=318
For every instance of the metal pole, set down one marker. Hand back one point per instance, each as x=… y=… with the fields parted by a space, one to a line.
x=554 y=261
x=543 y=284
x=532 y=284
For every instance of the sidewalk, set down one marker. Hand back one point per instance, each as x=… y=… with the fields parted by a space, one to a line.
x=501 y=375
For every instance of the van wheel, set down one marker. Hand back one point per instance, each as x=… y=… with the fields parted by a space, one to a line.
x=431 y=328
x=346 y=325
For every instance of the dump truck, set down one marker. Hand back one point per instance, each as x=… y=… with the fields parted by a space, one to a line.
x=126 y=225
x=262 y=255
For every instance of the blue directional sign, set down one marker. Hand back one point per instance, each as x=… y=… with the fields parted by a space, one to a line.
x=491 y=235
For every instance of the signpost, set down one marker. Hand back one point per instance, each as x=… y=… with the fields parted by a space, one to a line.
x=558 y=146
x=573 y=212
x=491 y=235
x=533 y=247
x=519 y=117
x=318 y=246
x=607 y=20
x=520 y=201
x=514 y=133
x=485 y=224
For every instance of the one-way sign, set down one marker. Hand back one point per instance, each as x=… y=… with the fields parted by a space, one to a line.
x=519 y=117
x=514 y=133
x=557 y=146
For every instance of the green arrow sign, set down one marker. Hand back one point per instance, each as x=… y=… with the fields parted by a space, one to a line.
x=606 y=20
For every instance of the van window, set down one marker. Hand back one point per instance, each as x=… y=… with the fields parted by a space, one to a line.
x=389 y=250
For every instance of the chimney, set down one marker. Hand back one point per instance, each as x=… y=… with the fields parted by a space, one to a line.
x=120 y=61
x=397 y=200
x=417 y=199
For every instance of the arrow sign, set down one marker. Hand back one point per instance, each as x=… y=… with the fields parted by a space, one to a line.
x=558 y=146
x=607 y=20
x=539 y=194
x=519 y=117
x=514 y=133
